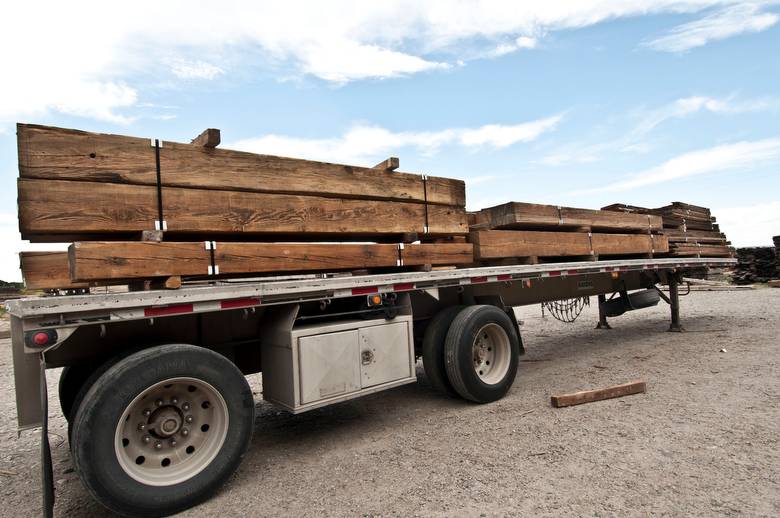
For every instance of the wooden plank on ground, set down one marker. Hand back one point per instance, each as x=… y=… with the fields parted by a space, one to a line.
x=588 y=396
x=516 y=215
x=64 y=154
x=84 y=208
x=101 y=260
x=47 y=270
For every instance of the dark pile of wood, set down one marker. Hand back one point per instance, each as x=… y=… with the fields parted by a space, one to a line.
x=527 y=232
x=141 y=209
x=692 y=230
x=756 y=264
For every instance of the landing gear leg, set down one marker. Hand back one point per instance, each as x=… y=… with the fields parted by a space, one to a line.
x=674 y=304
x=603 y=324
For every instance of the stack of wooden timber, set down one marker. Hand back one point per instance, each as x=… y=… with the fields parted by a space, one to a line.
x=528 y=232
x=141 y=209
x=692 y=230
x=756 y=264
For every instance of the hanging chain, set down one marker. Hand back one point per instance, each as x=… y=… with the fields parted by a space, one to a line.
x=566 y=310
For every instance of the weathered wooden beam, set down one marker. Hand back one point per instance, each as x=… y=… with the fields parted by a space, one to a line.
x=47 y=270
x=208 y=138
x=84 y=208
x=588 y=396
x=62 y=154
x=530 y=216
x=389 y=164
x=103 y=260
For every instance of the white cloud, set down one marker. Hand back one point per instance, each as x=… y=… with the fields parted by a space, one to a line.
x=648 y=120
x=195 y=70
x=731 y=21
x=740 y=156
x=90 y=60
x=363 y=144
x=750 y=226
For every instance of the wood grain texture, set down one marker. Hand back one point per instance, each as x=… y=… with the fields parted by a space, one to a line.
x=102 y=260
x=496 y=244
x=517 y=215
x=64 y=154
x=81 y=208
x=589 y=396
x=47 y=270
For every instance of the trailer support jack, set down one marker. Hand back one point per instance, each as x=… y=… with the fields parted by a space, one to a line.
x=674 y=304
x=603 y=324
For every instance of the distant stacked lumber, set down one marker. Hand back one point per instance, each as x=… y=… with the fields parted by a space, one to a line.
x=532 y=232
x=213 y=211
x=691 y=229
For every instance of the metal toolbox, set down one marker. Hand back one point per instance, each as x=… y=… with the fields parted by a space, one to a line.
x=337 y=361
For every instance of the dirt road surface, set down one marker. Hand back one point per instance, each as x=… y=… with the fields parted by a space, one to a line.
x=702 y=441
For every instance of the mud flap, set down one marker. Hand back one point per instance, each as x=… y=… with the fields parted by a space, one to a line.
x=47 y=475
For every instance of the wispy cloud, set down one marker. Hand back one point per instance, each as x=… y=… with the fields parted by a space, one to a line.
x=632 y=141
x=739 y=156
x=184 y=69
x=731 y=21
x=363 y=144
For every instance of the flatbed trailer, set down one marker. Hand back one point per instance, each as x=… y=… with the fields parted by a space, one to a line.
x=153 y=387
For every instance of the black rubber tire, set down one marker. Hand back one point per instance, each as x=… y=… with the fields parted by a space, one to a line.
x=644 y=299
x=433 y=349
x=459 y=355
x=96 y=420
x=72 y=378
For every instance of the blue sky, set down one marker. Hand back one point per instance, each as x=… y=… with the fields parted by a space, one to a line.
x=570 y=103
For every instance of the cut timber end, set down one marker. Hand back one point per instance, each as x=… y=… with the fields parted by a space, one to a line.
x=390 y=164
x=209 y=138
x=588 y=396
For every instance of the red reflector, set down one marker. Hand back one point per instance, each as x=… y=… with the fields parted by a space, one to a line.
x=504 y=277
x=572 y=272
x=403 y=287
x=40 y=338
x=554 y=274
x=239 y=303
x=168 y=310
x=365 y=291
x=475 y=280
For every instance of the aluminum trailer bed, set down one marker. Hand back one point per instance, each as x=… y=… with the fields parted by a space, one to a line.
x=135 y=362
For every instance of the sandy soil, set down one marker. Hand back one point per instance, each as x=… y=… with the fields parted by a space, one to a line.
x=702 y=441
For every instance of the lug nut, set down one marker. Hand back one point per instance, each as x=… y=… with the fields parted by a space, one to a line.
x=185 y=432
x=188 y=418
x=158 y=445
x=141 y=426
x=173 y=442
x=147 y=412
x=159 y=402
x=147 y=439
x=185 y=406
x=174 y=400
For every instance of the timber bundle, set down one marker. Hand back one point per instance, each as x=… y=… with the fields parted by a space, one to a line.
x=692 y=231
x=154 y=212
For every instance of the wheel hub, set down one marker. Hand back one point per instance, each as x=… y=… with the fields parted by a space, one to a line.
x=171 y=431
x=491 y=353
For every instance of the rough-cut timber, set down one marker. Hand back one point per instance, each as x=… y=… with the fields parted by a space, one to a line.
x=102 y=260
x=516 y=215
x=47 y=270
x=63 y=154
x=83 y=208
x=588 y=396
x=497 y=244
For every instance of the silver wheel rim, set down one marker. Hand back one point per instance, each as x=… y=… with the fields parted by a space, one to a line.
x=171 y=431
x=491 y=353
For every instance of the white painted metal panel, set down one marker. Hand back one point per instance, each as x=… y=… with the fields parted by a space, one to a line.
x=328 y=365
x=385 y=353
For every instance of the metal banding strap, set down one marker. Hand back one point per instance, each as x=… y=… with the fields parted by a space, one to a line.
x=425 y=198
x=560 y=215
x=160 y=223
x=211 y=246
x=590 y=243
x=400 y=260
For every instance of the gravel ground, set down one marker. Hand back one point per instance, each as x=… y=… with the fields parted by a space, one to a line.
x=702 y=441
